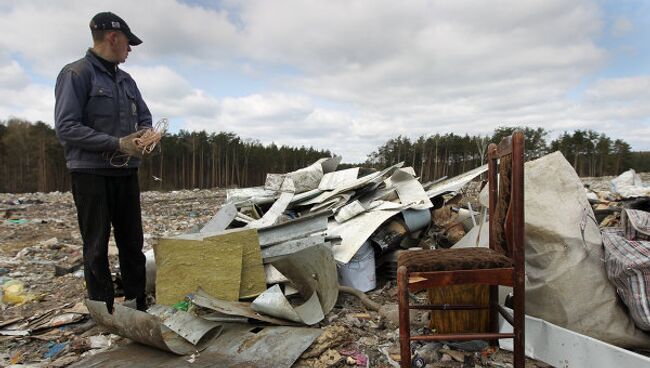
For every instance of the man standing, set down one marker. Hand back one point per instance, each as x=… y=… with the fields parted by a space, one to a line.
x=98 y=112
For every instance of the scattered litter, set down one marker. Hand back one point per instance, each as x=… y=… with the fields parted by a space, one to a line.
x=100 y=342
x=233 y=279
x=192 y=358
x=13 y=292
x=55 y=350
x=355 y=357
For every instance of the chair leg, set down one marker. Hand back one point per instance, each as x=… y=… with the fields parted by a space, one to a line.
x=519 y=316
x=494 y=313
x=404 y=318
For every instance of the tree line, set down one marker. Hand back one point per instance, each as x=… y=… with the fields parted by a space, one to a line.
x=32 y=160
x=591 y=153
x=31 y=157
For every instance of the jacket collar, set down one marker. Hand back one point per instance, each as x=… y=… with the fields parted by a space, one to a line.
x=119 y=73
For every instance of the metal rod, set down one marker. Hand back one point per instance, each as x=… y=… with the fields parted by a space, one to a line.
x=471 y=213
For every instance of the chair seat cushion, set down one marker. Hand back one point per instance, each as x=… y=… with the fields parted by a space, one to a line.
x=428 y=260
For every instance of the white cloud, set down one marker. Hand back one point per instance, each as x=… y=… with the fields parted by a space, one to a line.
x=271 y=117
x=620 y=89
x=20 y=97
x=34 y=102
x=53 y=33
x=339 y=74
x=12 y=75
x=271 y=108
x=169 y=95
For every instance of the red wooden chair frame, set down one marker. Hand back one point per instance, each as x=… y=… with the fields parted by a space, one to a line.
x=512 y=239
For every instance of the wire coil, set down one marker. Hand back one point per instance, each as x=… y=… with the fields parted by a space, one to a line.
x=147 y=142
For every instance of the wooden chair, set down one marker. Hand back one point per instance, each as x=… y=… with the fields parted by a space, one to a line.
x=500 y=264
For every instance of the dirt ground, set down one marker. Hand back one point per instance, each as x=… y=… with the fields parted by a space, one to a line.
x=38 y=232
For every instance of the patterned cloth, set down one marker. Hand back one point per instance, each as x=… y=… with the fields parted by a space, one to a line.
x=636 y=224
x=628 y=265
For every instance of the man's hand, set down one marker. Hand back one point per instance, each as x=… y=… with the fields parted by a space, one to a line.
x=128 y=146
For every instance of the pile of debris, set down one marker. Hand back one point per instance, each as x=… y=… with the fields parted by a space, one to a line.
x=610 y=195
x=623 y=212
x=277 y=258
x=279 y=275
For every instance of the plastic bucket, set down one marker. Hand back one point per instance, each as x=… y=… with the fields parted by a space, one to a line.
x=359 y=273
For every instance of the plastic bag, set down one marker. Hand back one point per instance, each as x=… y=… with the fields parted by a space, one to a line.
x=13 y=292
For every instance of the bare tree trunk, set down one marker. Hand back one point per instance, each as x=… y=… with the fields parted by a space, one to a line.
x=226 y=180
x=201 y=168
x=424 y=147
x=414 y=152
x=160 y=171
x=193 y=181
x=435 y=166
x=214 y=167
x=233 y=164
x=183 y=170
x=602 y=165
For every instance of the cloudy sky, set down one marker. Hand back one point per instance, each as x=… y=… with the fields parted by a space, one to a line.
x=348 y=75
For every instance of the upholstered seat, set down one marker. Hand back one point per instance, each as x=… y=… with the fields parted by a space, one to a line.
x=452 y=259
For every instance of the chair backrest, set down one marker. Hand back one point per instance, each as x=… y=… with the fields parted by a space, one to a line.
x=506 y=196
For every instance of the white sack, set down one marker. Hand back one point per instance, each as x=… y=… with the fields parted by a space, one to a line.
x=566 y=280
x=629 y=185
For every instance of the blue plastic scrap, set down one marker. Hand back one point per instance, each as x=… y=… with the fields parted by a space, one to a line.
x=55 y=350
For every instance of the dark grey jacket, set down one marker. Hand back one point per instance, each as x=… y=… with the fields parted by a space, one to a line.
x=92 y=111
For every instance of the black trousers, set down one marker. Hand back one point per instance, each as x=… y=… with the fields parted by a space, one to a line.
x=102 y=201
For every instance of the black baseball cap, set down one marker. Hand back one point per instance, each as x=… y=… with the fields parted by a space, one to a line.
x=107 y=21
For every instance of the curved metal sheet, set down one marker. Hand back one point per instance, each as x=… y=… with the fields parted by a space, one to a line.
x=148 y=329
x=312 y=269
